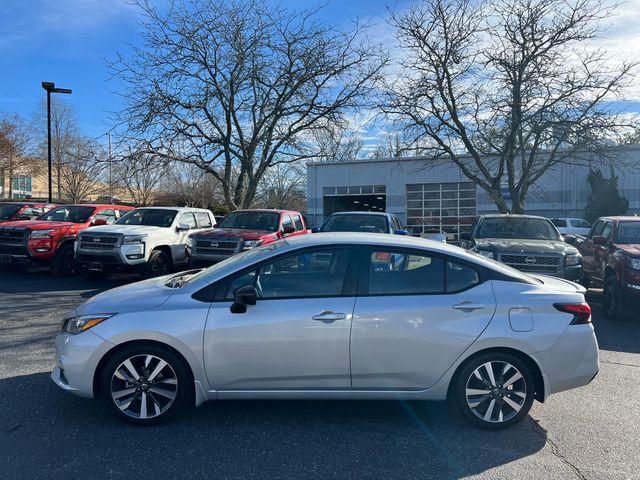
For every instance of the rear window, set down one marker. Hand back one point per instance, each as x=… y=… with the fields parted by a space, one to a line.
x=356 y=223
x=559 y=222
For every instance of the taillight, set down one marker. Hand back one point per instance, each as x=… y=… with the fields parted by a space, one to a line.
x=581 y=312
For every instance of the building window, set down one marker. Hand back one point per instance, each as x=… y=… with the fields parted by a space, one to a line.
x=441 y=207
x=21 y=185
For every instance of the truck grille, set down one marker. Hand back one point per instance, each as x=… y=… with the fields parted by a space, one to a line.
x=216 y=247
x=548 y=264
x=98 y=241
x=13 y=241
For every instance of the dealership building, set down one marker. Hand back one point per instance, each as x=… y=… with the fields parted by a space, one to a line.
x=431 y=196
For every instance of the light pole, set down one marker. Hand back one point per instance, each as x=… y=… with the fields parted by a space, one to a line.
x=51 y=88
x=110 y=180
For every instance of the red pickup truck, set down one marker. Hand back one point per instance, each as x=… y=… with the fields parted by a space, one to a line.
x=11 y=211
x=242 y=230
x=611 y=258
x=50 y=239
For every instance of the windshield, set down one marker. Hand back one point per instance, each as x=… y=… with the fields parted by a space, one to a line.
x=150 y=217
x=72 y=213
x=629 y=232
x=240 y=257
x=268 y=221
x=521 y=228
x=8 y=210
x=356 y=223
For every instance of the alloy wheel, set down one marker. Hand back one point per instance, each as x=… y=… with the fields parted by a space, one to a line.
x=496 y=391
x=160 y=266
x=144 y=386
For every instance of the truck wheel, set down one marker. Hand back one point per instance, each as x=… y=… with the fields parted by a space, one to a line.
x=612 y=299
x=159 y=264
x=64 y=263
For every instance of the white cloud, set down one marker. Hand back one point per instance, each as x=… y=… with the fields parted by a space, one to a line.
x=27 y=24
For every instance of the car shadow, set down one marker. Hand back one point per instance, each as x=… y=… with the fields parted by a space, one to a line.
x=48 y=433
x=619 y=334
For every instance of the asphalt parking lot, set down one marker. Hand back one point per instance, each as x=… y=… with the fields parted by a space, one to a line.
x=588 y=433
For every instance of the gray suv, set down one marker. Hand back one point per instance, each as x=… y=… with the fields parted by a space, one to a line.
x=526 y=242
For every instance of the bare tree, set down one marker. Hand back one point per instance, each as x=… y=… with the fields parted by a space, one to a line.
x=15 y=145
x=81 y=175
x=236 y=87
x=142 y=175
x=186 y=184
x=284 y=187
x=505 y=89
x=336 y=143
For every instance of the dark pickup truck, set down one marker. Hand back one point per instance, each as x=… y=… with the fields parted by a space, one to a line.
x=611 y=258
x=529 y=243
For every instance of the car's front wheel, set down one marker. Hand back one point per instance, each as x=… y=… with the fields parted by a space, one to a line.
x=146 y=384
x=64 y=263
x=159 y=264
x=494 y=390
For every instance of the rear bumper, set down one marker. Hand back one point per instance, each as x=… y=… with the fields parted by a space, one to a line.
x=573 y=361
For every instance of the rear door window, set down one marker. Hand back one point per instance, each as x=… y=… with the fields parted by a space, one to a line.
x=204 y=220
x=298 y=222
x=401 y=273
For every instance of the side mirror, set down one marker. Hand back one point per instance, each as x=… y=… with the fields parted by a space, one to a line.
x=400 y=232
x=315 y=229
x=599 y=240
x=183 y=227
x=288 y=230
x=465 y=236
x=243 y=297
x=100 y=221
x=570 y=239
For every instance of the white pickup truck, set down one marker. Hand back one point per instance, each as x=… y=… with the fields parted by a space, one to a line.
x=150 y=240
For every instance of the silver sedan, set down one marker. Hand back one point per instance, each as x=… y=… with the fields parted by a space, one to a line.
x=333 y=316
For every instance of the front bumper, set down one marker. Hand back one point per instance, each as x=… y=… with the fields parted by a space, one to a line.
x=77 y=357
x=572 y=361
x=108 y=260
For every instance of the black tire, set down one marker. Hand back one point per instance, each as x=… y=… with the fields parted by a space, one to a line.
x=159 y=264
x=64 y=263
x=612 y=303
x=111 y=385
x=497 y=402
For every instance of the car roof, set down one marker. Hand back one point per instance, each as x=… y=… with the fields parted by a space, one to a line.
x=175 y=208
x=360 y=213
x=94 y=205
x=625 y=218
x=511 y=215
x=268 y=210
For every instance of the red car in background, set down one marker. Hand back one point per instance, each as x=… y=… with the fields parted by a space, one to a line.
x=50 y=239
x=242 y=230
x=11 y=211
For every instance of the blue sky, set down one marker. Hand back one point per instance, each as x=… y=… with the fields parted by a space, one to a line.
x=69 y=41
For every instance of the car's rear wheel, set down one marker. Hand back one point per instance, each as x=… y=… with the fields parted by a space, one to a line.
x=159 y=264
x=612 y=299
x=64 y=263
x=494 y=390
x=146 y=384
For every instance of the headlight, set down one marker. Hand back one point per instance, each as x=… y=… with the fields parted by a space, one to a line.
x=251 y=244
x=572 y=260
x=487 y=253
x=190 y=242
x=130 y=239
x=75 y=325
x=41 y=233
x=633 y=263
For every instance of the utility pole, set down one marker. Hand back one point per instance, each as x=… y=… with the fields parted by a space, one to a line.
x=110 y=177
x=50 y=87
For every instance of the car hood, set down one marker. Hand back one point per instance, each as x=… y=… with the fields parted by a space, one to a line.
x=39 y=224
x=236 y=233
x=521 y=246
x=630 y=248
x=143 y=295
x=128 y=229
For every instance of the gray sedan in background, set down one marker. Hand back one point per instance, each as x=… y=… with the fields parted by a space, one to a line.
x=333 y=316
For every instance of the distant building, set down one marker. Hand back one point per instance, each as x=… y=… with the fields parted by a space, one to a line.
x=437 y=196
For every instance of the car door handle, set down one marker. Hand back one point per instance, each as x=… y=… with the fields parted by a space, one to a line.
x=468 y=306
x=328 y=316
